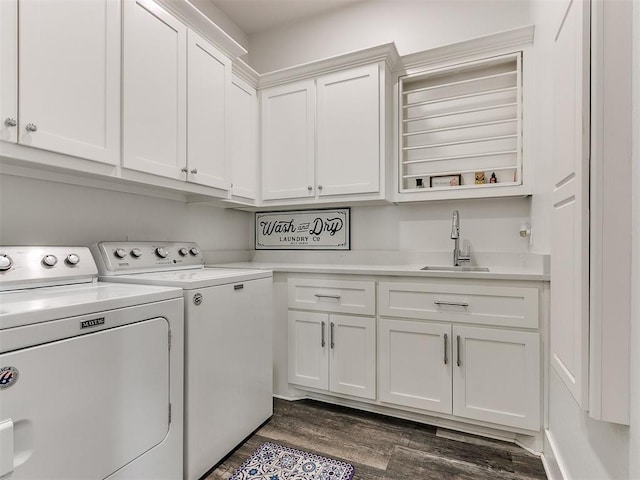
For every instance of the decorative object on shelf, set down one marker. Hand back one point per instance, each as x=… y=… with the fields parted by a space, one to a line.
x=277 y=462
x=480 y=178
x=493 y=178
x=446 y=181
x=419 y=183
x=326 y=229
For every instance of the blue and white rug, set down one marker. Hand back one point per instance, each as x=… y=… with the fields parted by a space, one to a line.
x=276 y=462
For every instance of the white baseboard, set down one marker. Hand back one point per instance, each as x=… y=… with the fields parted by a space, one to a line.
x=290 y=399
x=551 y=460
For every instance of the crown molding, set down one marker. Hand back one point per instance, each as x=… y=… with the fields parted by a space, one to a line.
x=245 y=72
x=386 y=52
x=489 y=44
x=190 y=15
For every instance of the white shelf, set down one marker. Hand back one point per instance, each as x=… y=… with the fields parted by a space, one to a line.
x=460 y=121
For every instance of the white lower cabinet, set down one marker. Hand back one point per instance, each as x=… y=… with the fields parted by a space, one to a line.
x=484 y=374
x=496 y=376
x=415 y=364
x=333 y=352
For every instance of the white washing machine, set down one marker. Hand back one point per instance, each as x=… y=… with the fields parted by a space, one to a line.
x=228 y=348
x=91 y=374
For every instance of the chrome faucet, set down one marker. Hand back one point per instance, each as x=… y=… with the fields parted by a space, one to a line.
x=455 y=236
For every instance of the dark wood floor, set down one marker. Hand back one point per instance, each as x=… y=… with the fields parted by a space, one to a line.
x=386 y=448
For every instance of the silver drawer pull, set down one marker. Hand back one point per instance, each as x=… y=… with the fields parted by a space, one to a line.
x=458 y=350
x=331 y=335
x=322 y=295
x=446 y=360
x=322 y=344
x=451 y=304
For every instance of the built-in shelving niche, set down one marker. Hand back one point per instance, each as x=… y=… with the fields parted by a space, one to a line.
x=459 y=121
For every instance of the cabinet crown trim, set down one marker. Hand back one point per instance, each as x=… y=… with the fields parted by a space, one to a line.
x=245 y=72
x=386 y=52
x=191 y=16
x=486 y=45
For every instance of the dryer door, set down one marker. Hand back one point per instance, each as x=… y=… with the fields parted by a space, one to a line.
x=85 y=406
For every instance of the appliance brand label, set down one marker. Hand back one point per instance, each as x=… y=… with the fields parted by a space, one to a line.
x=197 y=298
x=94 y=322
x=8 y=377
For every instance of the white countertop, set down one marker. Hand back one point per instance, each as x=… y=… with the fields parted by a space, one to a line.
x=409 y=270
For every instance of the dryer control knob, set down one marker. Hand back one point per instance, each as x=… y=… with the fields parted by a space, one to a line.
x=5 y=263
x=162 y=252
x=49 y=260
x=183 y=251
x=194 y=251
x=136 y=252
x=120 y=253
x=73 y=259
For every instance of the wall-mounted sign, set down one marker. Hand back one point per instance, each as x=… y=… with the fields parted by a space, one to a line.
x=303 y=230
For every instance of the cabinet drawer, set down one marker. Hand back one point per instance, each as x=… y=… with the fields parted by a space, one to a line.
x=343 y=296
x=487 y=305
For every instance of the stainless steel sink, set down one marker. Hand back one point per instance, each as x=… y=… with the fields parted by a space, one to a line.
x=461 y=268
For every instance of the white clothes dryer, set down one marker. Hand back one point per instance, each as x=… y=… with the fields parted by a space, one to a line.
x=91 y=374
x=228 y=347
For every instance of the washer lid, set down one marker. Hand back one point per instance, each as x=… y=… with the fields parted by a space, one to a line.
x=194 y=278
x=35 y=305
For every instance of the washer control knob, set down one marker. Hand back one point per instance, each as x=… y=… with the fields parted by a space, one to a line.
x=194 y=251
x=5 y=262
x=72 y=259
x=120 y=253
x=136 y=252
x=162 y=252
x=49 y=260
x=183 y=251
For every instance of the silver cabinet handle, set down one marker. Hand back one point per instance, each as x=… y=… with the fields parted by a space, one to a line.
x=10 y=122
x=452 y=304
x=184 y=169
x=446 y=360
x=309 y=187
x=322 y=295
x=31 y=127
x=319 y=187
x=322 y=344
x=331 y=336
x=458 y=350
x=194 y=171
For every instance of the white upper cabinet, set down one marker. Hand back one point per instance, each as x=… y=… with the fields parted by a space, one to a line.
x=288 y=141
x=154 y=96
x=348 y=158
x=65 y=97
x=208 y=81
x=9 y=70
x=243 y=141
x=175 y=99
x=324 y=135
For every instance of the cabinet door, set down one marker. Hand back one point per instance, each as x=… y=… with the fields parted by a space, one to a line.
x=415 y=364
x=308 y=349
x=209 y=82
x=288 y=140
x=9 y=70
x=69 y=74
x=349 y=132
x=242 y=139
x=496 y=377
x=154 y=97
x=352 y=343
